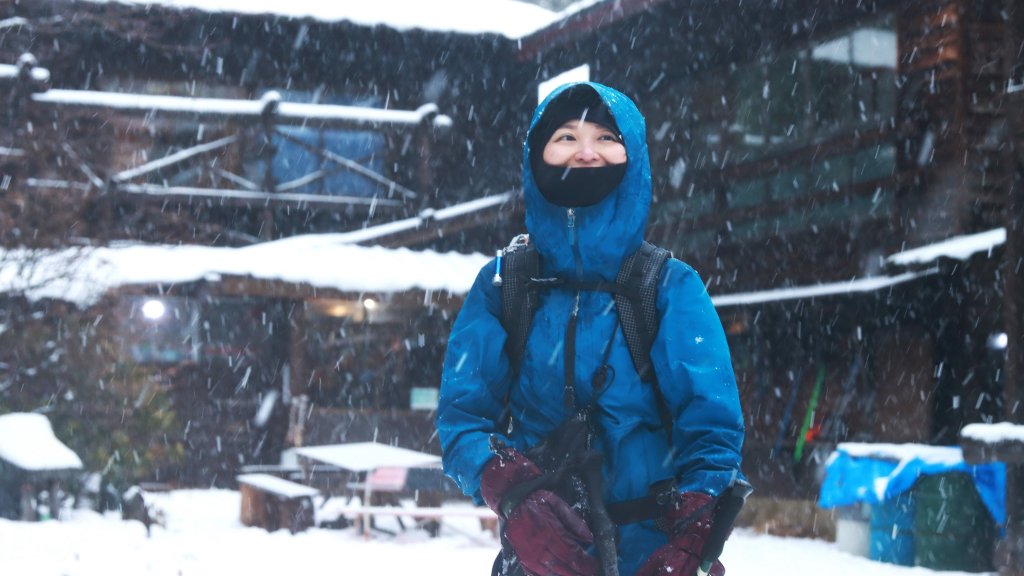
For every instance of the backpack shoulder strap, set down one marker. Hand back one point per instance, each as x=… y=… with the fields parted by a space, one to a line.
x=517 y=263
x=636 y=300
x=638 y=307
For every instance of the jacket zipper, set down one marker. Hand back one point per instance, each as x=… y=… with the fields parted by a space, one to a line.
x=569 y=349
x=574 y=242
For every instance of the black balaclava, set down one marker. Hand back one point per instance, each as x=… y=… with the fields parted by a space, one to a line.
x=573 y=187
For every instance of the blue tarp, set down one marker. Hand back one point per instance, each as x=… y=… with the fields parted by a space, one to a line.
x=855 y=474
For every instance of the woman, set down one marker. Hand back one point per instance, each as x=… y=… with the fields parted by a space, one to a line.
x=587 y=186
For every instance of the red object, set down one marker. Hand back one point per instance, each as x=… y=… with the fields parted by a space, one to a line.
x=690 y=521
x=547 y=535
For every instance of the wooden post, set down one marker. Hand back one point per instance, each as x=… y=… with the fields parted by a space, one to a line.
x=1009 y=554
x=270 y=103
x=28 y=511
x=55 y=499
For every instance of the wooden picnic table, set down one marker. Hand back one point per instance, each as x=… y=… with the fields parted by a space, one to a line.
x=387 y=472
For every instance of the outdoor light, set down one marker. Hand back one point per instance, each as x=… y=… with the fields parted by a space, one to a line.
x=154 y=309
x=997 y=341
x=370 y=304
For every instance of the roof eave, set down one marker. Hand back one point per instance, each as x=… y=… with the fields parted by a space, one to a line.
x=578 y=24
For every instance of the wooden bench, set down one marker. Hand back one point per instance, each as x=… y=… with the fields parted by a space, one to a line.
x=382 y=491
x=271 y=502
x=420 y=514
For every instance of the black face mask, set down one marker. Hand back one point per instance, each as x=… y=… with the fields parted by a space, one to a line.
x=577 y=187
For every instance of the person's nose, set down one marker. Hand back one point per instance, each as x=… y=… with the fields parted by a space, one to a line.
x=586 y=154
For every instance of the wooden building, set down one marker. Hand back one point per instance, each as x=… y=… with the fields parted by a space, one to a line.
x=163 y=126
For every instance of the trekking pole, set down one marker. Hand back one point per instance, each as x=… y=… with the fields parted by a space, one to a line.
x=600 y=522
x=726 y=510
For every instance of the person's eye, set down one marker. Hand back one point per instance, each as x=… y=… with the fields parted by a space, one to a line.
x=565 y=138
x=609 y=138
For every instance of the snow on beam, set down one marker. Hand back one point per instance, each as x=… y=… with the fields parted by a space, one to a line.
x=25 y=71
x=222 y=109
x=173 y=159
x=376 y=233
x=250 y=196
x=958 y=247
x=858 y=285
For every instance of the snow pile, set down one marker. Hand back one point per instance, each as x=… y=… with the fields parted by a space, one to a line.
x=83 y=275
x=203 y=536
x=506 y=17
x=994 y=433
x=28 y=442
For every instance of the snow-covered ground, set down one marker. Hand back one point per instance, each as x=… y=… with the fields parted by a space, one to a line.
x=203 y=537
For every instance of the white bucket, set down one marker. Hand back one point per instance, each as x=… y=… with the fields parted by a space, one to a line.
x=853 y=536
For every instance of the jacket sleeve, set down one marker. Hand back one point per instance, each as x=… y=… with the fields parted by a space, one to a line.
x=694 y=370
x=474 y=384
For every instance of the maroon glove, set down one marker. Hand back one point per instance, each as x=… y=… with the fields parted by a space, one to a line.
x=689 y=520
x=547 y=535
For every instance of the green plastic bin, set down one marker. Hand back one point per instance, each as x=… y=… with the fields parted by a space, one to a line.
x=892 y=530
x=952 y=528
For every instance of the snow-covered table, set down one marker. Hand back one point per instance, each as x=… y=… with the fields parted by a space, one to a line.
x=875 y=473
x=381 y=467
x=366 y=456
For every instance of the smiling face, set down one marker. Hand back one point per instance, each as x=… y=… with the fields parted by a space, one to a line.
x=577 y=144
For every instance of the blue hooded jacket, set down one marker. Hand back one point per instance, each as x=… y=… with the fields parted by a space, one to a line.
x=690 y=355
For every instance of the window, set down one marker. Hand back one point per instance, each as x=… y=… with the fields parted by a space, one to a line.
x=789 y=99
x=296 y=157
x=159 y=330
x=784 y=131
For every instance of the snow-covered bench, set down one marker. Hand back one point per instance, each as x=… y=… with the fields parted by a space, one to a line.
x=1002 y=442
x=270 y=502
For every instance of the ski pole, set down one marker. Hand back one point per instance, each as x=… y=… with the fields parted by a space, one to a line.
x=728 y=507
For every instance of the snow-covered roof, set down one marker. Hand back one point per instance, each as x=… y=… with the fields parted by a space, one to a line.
x=994 y=433
x=84 y=275
x=365 y=456
x=506 y=17
x=959 y=247
x=28 y=442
